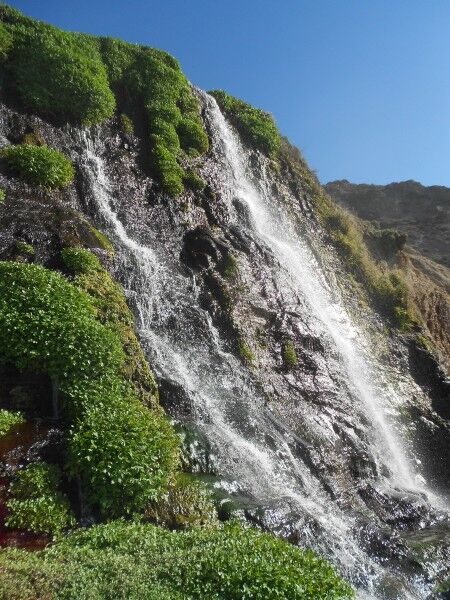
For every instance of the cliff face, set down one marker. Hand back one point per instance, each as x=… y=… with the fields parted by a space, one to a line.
x=422 y=213
x=286 y=354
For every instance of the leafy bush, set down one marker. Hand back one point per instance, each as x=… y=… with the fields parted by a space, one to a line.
x=121 y=560
x=124 y=453
x=188 y=503
x=39 y=165
x=257 y=128
x=37 y=505
x=8 y=419
x=80 y=260
x=290 y=357
x=75 y=87
x=48 y=325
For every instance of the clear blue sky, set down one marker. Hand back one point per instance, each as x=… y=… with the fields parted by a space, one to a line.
x=361 y=86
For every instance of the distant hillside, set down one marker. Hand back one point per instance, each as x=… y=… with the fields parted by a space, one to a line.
x=423 y=213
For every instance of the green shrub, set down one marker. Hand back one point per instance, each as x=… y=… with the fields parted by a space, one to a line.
x=193 y=138
x=8 y=419
x=193 y=181
x=167 y=170
x=36 y=503
x=290 y=357
x=126 y=560
x=188 y=503
x=48 y=325
x=39 y=165
x=125 y=454
x=75 y=87
x=80 y=260
x=257 y=128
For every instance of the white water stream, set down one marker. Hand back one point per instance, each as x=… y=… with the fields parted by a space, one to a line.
x=229 y=411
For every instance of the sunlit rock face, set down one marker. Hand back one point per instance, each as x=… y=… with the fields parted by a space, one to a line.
x=342 y=449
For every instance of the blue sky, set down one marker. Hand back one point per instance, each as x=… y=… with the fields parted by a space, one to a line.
x=361 y=86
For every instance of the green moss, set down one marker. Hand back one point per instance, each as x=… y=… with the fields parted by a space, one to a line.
x=245 y=352
x=103 y=241
x=80 y=260
x=193 y=181
x=257 y=128
x=188 y=503
x=127 y=124
x=2 y=195
x=24 y=249
x=6 y=41
x=129 y=560
x=8 y=419
x=290 y=357
x=39 y=165
x=231 y=266
x=36 y=503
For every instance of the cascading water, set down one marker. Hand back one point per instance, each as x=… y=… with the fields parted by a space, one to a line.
x=253 y=448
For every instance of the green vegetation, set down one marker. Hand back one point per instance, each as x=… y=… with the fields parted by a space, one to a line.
x=257 y=128
x=103 y=240
x=130 y=560
x=193 y=181
x=36 y=503
x=230 y=266
x=120 y=450
x=24 y=249
x=80 y=260
x=39 y=165
x=75 y=87
x=2 y=195
x=245 y=352
x=127 y=124
x=290 y=357
x=188 y=503
x=385 y=287
x=88 y=77
x=8 y=419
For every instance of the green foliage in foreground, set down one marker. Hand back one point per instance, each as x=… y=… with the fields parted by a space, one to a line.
x=39 y=165
x=144 y=562
x=123 y=453
x=36 y=503
x=8 y=419
x=257 y=128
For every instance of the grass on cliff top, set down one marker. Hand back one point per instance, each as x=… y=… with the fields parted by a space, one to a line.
x=134 y=561
x=87 y=78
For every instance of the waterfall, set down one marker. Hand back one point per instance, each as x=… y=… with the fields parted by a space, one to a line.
x=253 y=448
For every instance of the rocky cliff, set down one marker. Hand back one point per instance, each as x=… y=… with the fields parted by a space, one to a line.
x=150 y=224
